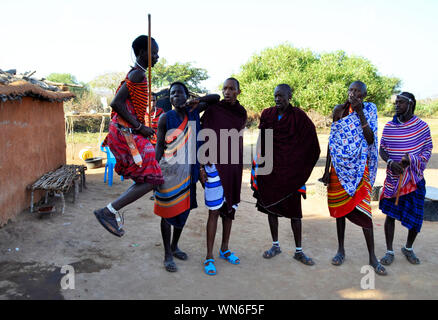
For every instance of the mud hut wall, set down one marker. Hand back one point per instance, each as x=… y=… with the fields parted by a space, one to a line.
x=32 y=143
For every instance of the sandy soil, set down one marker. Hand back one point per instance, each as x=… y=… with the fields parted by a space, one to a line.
x=107 y=267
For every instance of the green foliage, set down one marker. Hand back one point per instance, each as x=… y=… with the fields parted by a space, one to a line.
x=67 y=78
x=62 y=78
x=110 y=80
x=424 y=108
x=164 y=74
x=85 y=100
x=427 y=108
x=319 y=81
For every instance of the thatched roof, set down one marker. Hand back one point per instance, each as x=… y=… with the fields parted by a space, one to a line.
x=15 y=87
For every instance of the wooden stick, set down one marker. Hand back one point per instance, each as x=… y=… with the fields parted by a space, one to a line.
x=399 y=187
x=149 y=69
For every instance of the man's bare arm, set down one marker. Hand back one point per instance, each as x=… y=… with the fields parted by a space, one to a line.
x=207 y=101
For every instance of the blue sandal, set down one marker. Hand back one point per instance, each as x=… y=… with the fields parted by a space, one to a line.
x=232 y=258
x=209 y=267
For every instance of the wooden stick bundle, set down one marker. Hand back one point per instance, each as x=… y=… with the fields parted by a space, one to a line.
x=60 y=179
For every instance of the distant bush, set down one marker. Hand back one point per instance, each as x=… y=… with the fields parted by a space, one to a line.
x=253 y=119
x=68 y=78
x=425 y=108
x=90 y=124
x=86 y=102
x=319 y=81
x=320 y=121
x=163 y=74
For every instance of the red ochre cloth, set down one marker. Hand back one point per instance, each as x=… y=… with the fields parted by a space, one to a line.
x=357 y=208
x=149 y=171
x=155 y=115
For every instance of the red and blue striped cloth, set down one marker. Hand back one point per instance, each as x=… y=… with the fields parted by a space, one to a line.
x=412 y=138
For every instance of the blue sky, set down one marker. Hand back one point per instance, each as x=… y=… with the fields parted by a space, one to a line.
x=88 y=38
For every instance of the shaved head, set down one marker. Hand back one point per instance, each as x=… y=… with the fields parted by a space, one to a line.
x=361 y=85
x=282 y=96
x=285 y=87
x=236 y=81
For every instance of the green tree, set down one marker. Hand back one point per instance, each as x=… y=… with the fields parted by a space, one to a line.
x=85 y=99
x=110 y=80
x=67 y=78
x=319 y=81
x=62 y=78
x=164 y=74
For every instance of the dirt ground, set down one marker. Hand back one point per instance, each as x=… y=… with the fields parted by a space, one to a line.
x=33 y=250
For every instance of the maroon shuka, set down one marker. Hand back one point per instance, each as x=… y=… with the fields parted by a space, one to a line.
x=224 y=115
x=296 y=151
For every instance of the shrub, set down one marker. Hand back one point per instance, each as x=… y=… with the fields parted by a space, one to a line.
x=319 y=81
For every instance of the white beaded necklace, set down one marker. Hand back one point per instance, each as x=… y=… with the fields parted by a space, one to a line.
x=140 y=66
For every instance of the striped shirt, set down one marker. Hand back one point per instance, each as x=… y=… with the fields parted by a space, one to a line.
x=412 y=138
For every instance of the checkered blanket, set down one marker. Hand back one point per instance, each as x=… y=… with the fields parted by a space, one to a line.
x=350 y=151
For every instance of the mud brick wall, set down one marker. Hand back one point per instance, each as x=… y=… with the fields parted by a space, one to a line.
x=32 y=142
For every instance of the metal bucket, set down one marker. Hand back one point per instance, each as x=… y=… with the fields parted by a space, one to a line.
x=94 y=163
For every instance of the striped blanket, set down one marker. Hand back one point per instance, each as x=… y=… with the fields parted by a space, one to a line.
x=214 y=191
x=340 y=203
x=135 y=155
x=412 y=138
x=173 y=197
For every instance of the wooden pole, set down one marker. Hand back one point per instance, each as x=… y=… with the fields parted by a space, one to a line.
x=149 y=69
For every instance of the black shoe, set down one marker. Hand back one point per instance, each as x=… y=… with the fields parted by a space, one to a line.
x=109 y=222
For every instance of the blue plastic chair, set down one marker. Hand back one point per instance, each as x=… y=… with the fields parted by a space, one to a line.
x=109 y=167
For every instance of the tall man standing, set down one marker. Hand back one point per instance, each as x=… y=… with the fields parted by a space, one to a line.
x=406 y=147
x=223 y=178
x=295 y=153
x=351 y=168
